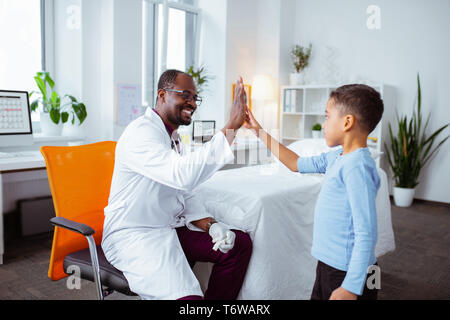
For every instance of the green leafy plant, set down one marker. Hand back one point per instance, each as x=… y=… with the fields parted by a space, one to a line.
x=200 y=79
x=411 y=149
x=300 y=57
x=317 y=127
x=59 y=108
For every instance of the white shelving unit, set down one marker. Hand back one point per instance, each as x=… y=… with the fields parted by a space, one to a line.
x=303 y=106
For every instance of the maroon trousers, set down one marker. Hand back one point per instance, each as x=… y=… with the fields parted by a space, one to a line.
x=229 y=268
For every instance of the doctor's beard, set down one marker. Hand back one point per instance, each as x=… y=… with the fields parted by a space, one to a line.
x=181 y=116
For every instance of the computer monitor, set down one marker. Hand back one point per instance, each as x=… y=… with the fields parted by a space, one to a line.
x=15 y=119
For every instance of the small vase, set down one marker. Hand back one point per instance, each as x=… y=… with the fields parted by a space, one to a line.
x=48 y=127
x=316 y=134
x=297 y=79
x=403 y=197
x=72 y=130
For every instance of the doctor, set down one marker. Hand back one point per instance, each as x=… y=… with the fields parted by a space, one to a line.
x=155 y=229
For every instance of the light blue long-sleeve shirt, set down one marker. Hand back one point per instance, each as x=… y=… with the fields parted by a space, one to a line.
x=345 y=218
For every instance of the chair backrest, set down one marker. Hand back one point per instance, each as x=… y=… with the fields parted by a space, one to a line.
x=80 y=181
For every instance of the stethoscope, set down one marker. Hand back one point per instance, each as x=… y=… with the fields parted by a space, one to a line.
x=175 y=145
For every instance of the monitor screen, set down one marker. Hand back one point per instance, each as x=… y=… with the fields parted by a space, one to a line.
x=15 y=117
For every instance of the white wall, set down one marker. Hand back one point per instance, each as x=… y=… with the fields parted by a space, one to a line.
x=212 y=54
x=413 y=38
x=253 y=38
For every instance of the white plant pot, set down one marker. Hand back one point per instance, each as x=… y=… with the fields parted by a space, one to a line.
x=403 y=197
x=48 y=127
x=297 y=79
x=316 y=134
x=72 y=130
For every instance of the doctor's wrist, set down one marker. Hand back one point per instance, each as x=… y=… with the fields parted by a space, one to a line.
x=209 y=224
x=204 y=223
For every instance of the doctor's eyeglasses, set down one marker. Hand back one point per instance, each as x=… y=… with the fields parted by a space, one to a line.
x=187 y=95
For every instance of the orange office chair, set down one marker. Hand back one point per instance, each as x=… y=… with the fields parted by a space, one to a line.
x=80 y=180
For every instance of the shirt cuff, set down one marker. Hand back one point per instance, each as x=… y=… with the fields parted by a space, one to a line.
x=355 y=287
x=306 y=165
x=228 y=156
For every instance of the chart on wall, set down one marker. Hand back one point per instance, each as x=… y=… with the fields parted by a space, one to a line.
x=14 y=115
x=128 y=103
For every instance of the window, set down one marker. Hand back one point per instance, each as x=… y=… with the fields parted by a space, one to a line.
x=22 y=44
x=171 y=30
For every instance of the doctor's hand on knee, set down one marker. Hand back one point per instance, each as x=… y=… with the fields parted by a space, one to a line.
x=222 y=237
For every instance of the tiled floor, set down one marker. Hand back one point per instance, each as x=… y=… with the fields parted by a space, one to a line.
x=419 y=268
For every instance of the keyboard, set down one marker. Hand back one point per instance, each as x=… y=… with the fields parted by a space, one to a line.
x=19 y=154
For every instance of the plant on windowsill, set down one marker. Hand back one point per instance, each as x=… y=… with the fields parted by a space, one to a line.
x=300 y=58
x=316 y=130
x=201 y=82
x=410 y=151
x=55 y=110
x=200 y=79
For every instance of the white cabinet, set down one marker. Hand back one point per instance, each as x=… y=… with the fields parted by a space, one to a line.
x=304 y=106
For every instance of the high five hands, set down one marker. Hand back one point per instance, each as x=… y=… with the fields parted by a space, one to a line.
x=238 y=113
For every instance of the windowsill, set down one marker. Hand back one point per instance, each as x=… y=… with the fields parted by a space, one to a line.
x=39 y=137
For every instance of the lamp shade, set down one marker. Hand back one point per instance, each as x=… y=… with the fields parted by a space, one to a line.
x=262 y=88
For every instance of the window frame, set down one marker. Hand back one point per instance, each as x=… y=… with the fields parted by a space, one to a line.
x=151 y=56
x=47 y=45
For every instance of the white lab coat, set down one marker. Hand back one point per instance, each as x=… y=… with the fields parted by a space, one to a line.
x=150 y=196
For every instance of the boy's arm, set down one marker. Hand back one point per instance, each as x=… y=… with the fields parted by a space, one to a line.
x=362 y=191
x=286 y=156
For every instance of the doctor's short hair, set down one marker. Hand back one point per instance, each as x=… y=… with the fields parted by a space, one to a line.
x=362 y=101
x=168 y=78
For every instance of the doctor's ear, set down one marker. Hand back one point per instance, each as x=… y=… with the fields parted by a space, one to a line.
x=161 y=95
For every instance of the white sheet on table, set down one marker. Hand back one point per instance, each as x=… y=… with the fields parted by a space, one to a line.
x=277 y=210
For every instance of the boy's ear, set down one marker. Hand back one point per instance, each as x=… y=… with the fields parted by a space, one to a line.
x=349 y=122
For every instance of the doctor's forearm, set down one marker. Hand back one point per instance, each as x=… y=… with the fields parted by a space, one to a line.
x=286 y=156
x=229 y=131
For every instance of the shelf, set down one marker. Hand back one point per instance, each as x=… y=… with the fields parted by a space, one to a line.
x=291 y=138
x=304 y=114
x=325 y=86
x=322 y=114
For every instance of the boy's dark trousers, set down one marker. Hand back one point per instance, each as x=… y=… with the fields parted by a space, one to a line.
x=328 y=279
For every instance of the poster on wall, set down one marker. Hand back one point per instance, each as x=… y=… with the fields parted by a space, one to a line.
x=128 y=103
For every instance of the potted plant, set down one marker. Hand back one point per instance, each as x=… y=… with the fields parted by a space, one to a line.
x=55 y=110
x=300 y=58
x=316 y=130
x=410 y=151
x=200 y=79
x=201 y=82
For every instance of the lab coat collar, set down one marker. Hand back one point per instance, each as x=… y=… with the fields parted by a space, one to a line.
x=151 y=112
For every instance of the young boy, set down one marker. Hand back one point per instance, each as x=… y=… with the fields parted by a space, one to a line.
x=345 y=219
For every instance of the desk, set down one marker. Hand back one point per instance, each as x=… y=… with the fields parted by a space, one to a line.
x=16 y=164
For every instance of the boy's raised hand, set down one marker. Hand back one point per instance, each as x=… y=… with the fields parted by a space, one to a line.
x=251 y=122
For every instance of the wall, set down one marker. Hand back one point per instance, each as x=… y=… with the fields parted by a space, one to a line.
x=212 y=54
x=413 y=38
x=258 y=35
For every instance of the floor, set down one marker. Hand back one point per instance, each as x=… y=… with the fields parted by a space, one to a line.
x=417 y=269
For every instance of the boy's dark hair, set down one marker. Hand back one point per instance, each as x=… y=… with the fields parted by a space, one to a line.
x=168 y=78
x=362 y=101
